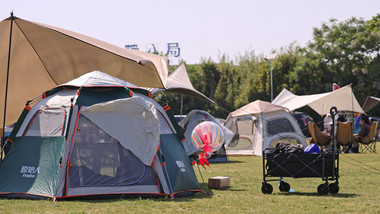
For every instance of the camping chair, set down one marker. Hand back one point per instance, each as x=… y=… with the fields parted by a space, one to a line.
x=344 y=134
x=317 y=136
x=368 y=143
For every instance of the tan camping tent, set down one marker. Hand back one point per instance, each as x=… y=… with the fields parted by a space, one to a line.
x=261 y=125
x=343 y=99
x=42 y=57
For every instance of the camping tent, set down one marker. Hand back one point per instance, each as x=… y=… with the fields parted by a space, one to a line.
x=194 y=118
x=260 y=125
x=43 y=56
x=343 y=99
x=96 y=135
x=179 y=82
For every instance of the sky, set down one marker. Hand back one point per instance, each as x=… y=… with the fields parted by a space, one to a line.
x=202 y=28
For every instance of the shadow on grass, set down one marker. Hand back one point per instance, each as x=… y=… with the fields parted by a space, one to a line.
x=228 y=162
x=113 y=198
x=228 y=188
x=338 y=195
x=197 y=195
x=236 y=190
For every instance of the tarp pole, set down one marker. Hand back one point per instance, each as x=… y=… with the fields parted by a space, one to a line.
x=352 y=99
x=181 y=106
x=6 y=86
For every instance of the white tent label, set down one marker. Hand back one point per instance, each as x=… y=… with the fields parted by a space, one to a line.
x=29 y=171
x=181 y=166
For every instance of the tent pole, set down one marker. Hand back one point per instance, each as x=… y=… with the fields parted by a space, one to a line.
x=167 y=175
x=6 y=86
x=181 y=106
x=365 y=101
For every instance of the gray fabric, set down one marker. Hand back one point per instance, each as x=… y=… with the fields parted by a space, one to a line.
x=131 y=121
x=49 y=121
x=97 y=78
x=62 y=98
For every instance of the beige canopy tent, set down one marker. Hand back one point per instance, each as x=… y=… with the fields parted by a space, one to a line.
x=42 y=57
x=179 y=82
x=343 y=99
x=369 y=102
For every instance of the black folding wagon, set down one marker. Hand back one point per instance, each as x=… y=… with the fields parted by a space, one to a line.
x=302 y=165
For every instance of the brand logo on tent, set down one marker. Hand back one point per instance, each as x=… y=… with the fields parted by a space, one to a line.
x=29 y=171
x=181 y=166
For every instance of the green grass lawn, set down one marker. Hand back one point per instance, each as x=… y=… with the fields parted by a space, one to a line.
x=359 y=193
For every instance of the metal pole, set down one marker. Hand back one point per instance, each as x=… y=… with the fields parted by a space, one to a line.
x=181 y=107
x=6 y=86
x=271 y=81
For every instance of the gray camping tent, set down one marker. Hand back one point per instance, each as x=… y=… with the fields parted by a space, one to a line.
x=194 y=118
x=96 y=135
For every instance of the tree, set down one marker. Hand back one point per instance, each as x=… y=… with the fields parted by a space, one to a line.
x=342 y=53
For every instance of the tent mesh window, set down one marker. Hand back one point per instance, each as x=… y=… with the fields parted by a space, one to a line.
x=245 y=128
x=99 y=160
x=49 y=121
x=278 y=126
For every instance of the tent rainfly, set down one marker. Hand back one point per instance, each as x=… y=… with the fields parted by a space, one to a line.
x=343 y=99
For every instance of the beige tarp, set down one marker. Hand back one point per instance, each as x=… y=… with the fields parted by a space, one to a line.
x=369 y=102
x=43 y=57
x=179 y=82
x=343 y=99
x=256 y=108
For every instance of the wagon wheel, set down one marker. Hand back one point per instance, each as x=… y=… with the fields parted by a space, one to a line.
x=323 y=189
x=334 y=188
x=284 y=186
x=266 y=188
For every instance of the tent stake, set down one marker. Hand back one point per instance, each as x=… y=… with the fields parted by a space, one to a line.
x=6 y=87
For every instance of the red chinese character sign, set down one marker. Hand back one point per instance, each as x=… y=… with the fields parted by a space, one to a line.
x=208 y=137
